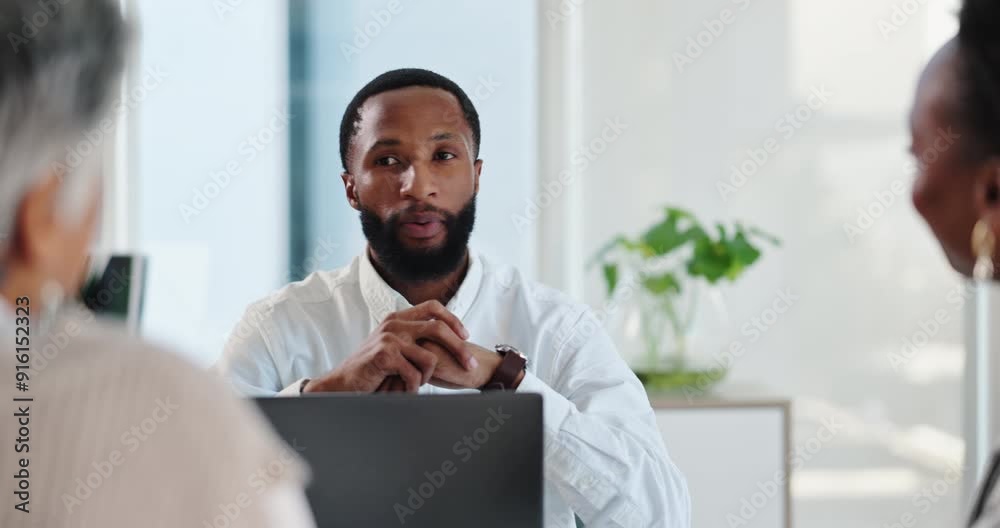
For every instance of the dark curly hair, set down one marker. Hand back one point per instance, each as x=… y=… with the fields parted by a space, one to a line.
x=979 y=75
x=395 y=80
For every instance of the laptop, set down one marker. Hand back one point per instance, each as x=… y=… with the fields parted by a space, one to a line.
x=390 y=460
x=115 y=288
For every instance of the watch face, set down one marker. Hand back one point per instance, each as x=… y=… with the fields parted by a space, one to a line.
x=506 y=349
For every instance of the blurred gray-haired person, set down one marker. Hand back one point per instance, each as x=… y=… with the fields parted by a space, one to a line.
x=99 y=429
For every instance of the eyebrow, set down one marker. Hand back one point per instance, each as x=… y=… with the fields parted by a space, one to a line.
x=386 y=143
x=392 y=142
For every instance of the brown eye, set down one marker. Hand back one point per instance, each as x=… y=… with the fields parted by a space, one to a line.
x=444 y=156
x=386 y=161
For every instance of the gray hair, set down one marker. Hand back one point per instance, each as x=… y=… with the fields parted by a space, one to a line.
x=58 y=72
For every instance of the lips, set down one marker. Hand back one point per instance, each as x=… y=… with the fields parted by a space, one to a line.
x=420 y=218
x=421 y=225
x=422 y=229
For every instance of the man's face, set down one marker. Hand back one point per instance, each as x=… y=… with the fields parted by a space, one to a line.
x=944 y=190
x=414 y=176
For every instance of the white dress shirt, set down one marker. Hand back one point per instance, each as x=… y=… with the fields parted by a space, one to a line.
x=121 y=434
x=604 y=457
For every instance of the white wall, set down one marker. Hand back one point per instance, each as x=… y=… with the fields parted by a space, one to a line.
x=226 y=75
x=859 y=297
x=223 y=79
x=488 y=48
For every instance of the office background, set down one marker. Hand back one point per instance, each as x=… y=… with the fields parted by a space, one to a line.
x=231 y=185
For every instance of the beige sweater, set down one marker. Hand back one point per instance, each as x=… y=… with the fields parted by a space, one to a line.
x=121 y=434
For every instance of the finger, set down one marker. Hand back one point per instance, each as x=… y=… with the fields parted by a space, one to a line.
x=424 y=360
x=369 y=379
x=443 y=335
x=392 y=384
x=373 y=374
x=446 y=384
x=436 y=310
x=404 y=369
x=436 y=331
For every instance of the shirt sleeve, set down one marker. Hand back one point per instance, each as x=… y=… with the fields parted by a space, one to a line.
x=603 y=449
x=247 y=361
x=295 y=389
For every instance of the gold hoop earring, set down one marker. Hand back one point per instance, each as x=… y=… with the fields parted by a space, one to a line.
x=983 y=247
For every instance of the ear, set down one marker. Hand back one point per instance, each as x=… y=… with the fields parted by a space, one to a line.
x=986 y=199
x=479 y=170
x=351 y=189
x=986 y=190
x=36 y=230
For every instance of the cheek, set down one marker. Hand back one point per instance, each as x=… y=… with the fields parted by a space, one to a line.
x=930 y=192
x=946 y=205
x=459 y=180
x=79 y=241
x=922 y=196
x=76 y=254
x=374 y=190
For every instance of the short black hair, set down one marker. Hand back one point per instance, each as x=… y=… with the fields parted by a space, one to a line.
x=979 y=75
x=395 y=80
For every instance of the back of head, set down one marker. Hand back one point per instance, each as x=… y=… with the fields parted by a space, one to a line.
x=979 y=74
x=58 y=72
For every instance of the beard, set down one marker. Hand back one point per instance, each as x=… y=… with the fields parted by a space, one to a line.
x=419 y=265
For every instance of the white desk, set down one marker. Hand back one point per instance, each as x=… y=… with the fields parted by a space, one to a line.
x=734 y=454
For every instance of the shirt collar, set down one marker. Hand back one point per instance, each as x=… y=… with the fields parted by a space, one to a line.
x=382 y=300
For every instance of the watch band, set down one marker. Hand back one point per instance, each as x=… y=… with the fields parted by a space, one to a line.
x=512 y=364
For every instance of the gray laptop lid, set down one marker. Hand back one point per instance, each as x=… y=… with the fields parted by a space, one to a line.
x=418 y=460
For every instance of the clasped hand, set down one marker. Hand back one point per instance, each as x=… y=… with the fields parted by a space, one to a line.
x=423 y=344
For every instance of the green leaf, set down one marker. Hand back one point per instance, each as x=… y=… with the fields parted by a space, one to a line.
x=675 y=215
x=611 y=277
x=660 y=284
x=743 y=251
x=668 y=235
x=722 y=231
x=641 y=248
x=726 y=256
x=711 y=260
x=744 y=254
x=663 y=238
x=677 y=212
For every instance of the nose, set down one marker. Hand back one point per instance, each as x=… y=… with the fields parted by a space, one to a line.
x=419 y=182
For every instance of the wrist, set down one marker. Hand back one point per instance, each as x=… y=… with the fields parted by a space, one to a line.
x=329 y=383
x=507 y=369
x=312 y=385
x=494 y=364
x=489 y=362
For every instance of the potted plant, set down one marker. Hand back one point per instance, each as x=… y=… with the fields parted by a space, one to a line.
x=665 y=270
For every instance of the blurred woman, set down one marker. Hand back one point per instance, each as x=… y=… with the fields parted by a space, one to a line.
x=955 y=125
x=98 y=429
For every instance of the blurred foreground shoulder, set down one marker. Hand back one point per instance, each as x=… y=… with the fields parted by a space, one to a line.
x=141 y=414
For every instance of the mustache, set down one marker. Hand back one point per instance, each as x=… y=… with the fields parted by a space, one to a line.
x=420 y=210
x=419 y=265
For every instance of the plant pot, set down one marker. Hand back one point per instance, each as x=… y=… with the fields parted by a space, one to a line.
x=672 y=344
